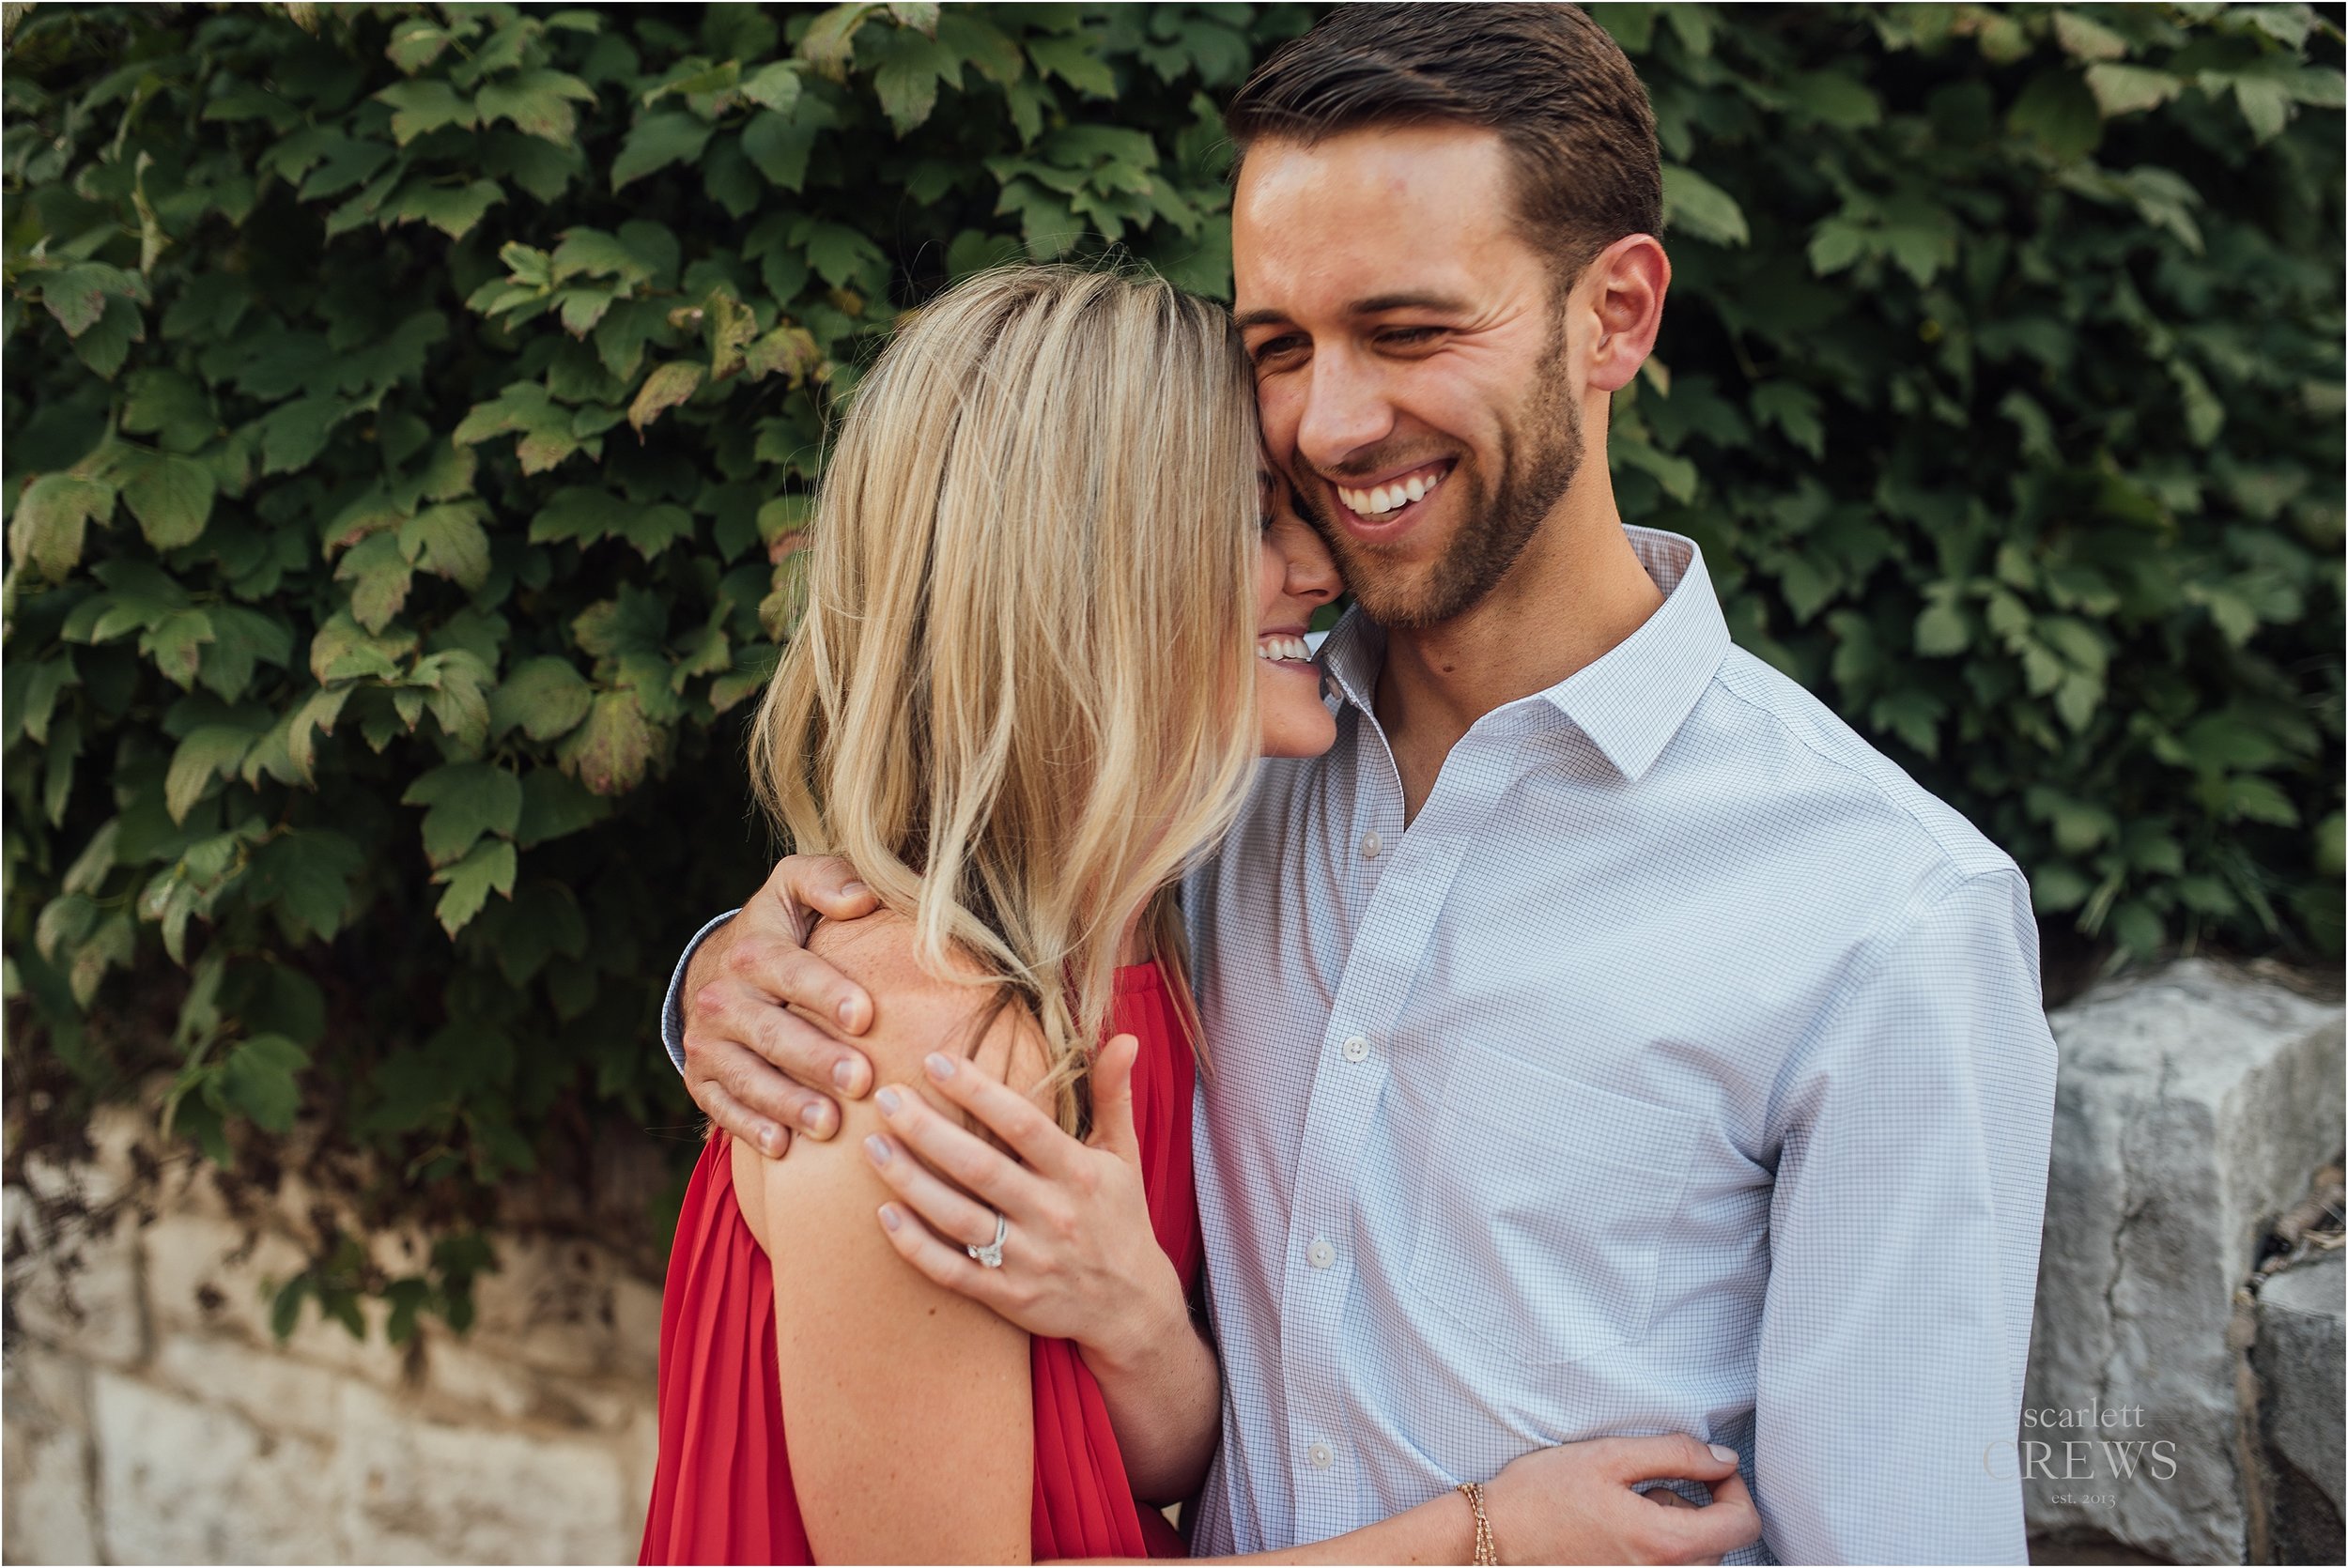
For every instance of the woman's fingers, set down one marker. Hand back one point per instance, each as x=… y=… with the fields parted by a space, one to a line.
x=1113 y=1098
x=950 y=1213
x=940 y=1262
x=1035 y=1137
x=963 y=1157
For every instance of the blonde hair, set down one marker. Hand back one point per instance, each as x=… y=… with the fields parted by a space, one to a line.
x=1022 y=698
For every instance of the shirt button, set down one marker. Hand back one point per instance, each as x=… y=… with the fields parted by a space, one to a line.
x=1372 y=844
x=1320 y=1457
x=1320 y=1255
x=1357 y=1048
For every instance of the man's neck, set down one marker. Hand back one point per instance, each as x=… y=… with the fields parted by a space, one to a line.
x=1578 y=590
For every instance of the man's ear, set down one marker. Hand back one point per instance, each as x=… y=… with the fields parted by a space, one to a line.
x=1623 y=289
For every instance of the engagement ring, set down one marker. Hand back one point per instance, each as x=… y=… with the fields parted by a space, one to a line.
x=991 y=1254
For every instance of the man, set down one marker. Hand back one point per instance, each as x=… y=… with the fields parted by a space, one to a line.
x=1606 y=1039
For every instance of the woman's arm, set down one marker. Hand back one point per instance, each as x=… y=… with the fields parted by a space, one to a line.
x=1080 y=1261
x=908 y=1410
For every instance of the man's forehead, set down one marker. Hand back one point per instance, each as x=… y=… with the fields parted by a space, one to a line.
x=1393 y=214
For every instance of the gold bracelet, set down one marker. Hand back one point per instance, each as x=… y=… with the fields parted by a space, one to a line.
x=1486 y=1555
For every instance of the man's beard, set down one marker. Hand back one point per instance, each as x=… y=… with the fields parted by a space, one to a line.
x=1494 y=535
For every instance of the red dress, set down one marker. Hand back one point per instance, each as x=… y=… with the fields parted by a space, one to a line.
x=722 y=1490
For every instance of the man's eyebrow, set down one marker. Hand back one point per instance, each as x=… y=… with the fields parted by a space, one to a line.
x=1376 y=305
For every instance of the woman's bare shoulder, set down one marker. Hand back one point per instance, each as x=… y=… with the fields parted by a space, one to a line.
x=916 y=1012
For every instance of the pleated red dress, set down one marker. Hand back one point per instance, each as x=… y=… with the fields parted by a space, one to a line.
x=722 y=1491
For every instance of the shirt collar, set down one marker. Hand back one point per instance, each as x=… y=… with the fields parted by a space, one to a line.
x=1632 y=699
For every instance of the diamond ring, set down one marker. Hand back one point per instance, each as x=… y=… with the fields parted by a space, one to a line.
x=991 y=1254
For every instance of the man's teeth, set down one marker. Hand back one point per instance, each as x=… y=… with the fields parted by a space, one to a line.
x=1283 y=648
x=1380 y=499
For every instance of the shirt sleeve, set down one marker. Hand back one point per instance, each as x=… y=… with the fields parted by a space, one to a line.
x=672 y=1006
x=1904 y=1232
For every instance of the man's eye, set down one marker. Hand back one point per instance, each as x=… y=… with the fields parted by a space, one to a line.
x=1273 y=347
x=1409 y=337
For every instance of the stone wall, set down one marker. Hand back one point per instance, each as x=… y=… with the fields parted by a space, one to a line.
x=151 y=1417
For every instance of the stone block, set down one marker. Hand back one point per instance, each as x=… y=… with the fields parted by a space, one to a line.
x=2190 y=1106
x=51 y=1515
x=73 y=1275
x=418 y=1490
x=271 y=1387
x=179 y=1480
x=2300 y=1368
x=207 y=1274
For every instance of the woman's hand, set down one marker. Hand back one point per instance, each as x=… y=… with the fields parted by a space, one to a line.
x=1080 y=1261
x=1575 y=1503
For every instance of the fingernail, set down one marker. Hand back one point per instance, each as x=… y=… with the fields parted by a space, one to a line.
x=816 y=1119
x=941 y=1068
x=854 y=890
x=888 y=1216
x=1725 y=1456
x=770 y=1141
x=877 y=1148
x=888 y=1101
x=843 y=1077
x=847 y=1014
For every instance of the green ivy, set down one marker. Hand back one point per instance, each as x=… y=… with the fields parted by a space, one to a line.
x=411 y=412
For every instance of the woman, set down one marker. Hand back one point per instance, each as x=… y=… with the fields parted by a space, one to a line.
x=1048 y=634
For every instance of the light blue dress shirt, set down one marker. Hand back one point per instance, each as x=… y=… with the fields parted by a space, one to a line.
x=1680 y=1068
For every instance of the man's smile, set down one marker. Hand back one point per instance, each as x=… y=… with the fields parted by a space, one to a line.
x=1392 y=504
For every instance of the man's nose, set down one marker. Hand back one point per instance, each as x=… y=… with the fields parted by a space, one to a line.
x=1345 y=411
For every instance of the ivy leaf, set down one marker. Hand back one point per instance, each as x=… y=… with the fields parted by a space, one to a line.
x=380 y=575
x=293 y=434
x=77 y=296
x=50 y=520
x=428 y=105
x=1073 y=59
x=170 y=495
x=537 y=102
x=912 y=67
x=657 y=140
x=1694 y=205
x=447 y=539
x=257 y=1078
x=663 y=390
x=773 y=86
x=546 y=696
x=466 y=800
x=488 y=868
x=454 y=209
x=610 y=752
x=209 y=751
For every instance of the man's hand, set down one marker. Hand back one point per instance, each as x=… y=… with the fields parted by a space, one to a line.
x=766 y=1020
x=1576 y=1504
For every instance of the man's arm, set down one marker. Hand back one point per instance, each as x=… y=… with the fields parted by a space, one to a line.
x=758 y=1024
x=1904 y=1231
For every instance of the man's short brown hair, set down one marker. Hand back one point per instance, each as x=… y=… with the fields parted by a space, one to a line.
x=1558 y=90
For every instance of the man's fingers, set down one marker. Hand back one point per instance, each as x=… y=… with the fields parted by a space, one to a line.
x=785 y=972
x=739 y=1120
x=825 y=884
x=745 y=1076
x=1011 y=1116
x=963 y=1157
x=950 y=1213
x=940 y=1262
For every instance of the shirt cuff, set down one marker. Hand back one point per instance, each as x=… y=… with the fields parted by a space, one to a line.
x=673 y=1010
